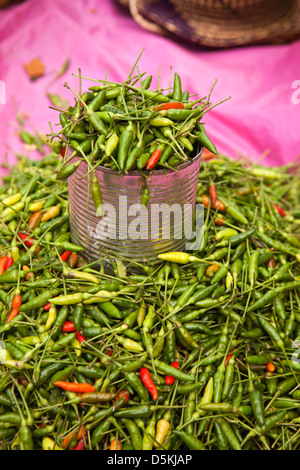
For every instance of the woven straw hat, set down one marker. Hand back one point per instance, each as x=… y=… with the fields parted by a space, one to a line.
x=220 y=23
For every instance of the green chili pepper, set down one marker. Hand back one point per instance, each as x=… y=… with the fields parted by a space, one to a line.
x=134 y=433
x=272 y=332
x=230 y=435
x=134 y=412
x=61 y=317
x=78 y=316
x=62 y=374
x=61 y=343
x=99 y=432
x=48 y=371
x=206 y=142
x=169 y=370
x=97 y=195
x=66 y=299
x=125 y=142
x=39 y=301
x=257 y=404
x=189 y=440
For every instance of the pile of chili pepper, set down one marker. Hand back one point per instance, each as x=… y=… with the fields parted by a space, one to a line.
x=196 y=352
x=129 y=127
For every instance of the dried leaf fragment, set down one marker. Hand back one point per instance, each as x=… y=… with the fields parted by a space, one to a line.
x=35 y=69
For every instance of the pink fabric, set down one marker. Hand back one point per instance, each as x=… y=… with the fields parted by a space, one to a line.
x=98 y=35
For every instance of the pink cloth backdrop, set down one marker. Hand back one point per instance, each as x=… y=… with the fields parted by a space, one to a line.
x=262 y=116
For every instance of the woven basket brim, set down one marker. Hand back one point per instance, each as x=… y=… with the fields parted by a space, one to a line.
x=162 y=17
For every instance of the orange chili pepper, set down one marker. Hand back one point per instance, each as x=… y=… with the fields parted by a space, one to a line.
x=205 y=200
x=213 y=194
x=17 y=301
x=29 y=275
x=207 y=155
x=219 y=221
x=115 y=445
x=270 y=367
x=16 y=304
x=3 y=264
x=14 y=312
x=75 y=387
x=171 y=105
x=220 y=206
x=211 y=270
x=70 y=437
x=153 y=159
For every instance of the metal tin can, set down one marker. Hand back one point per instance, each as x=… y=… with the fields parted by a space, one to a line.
x=127 y=229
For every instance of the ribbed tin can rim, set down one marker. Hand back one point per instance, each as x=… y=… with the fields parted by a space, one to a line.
x=162 y=171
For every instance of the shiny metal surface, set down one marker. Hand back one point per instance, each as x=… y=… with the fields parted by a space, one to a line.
x=158 y=227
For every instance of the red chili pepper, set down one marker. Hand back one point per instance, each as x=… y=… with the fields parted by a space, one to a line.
x=123 y=394
x=169 y=378
x=280 y=210
x=28 y=241
x=68 y=326
x=213 y=195
x=62 y=152
x=171 y=105
x=23 y=236
x=9 y=263
x=47 y=306
x=227 y=358
x=148 y=382
x=153 y=159
x=75 y=387
x=3 y=264
x=66 y=254
x=80 y=445
x=80 y=337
